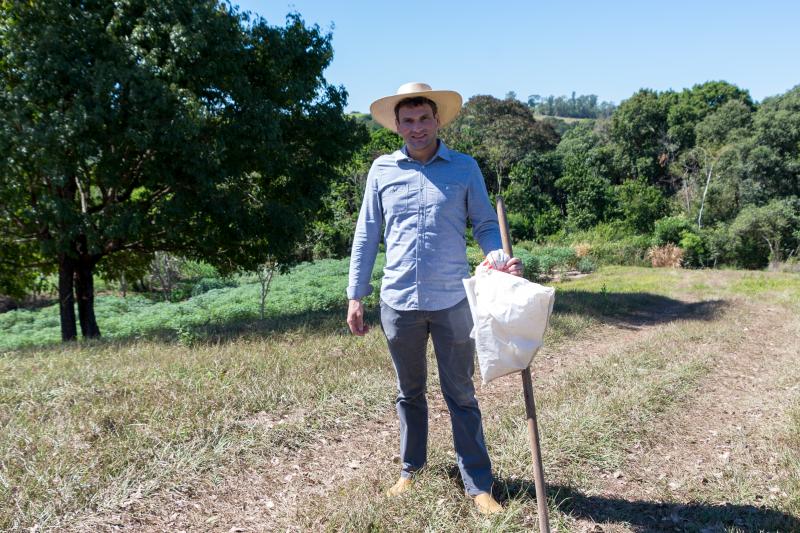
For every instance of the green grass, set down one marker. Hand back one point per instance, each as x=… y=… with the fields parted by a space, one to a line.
x=308 y=288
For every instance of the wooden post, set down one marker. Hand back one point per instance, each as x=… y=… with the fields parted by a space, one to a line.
x=530 y=406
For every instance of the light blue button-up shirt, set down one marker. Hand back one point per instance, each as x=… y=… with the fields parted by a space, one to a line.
x=423 y=208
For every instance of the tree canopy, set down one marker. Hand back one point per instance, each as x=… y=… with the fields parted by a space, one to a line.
x=175 y=125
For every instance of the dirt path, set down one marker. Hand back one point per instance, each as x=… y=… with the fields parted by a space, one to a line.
x=704 y=450
x=723 y=444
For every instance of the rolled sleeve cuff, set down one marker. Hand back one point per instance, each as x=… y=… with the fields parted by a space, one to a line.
x=357 y=292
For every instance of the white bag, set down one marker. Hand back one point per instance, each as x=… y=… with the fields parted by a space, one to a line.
x=510 y=315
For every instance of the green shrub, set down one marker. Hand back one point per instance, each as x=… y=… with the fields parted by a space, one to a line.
x=521 y=226
x=474 y=257
x=197 y=269
x=670 y=230
x=586 y=265
x=694 y=250
x=565 y=257
x=631 y=251
x=614 y=230
x=530 y=263
x=641 y=204
x=206 y=284
x=551 y=259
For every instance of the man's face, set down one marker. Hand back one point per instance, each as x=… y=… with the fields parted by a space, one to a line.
x=418 y=127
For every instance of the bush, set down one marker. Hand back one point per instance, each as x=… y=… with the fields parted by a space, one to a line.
x=630 y=251
x=641 y=204
x=520 y=226
x=694 y=250
x=474 y=257
x=670 y=230
x=206 y=284
x=765 y=234
x=582 y=249
x=566 y=258
x=668 y=255
x=586 y=265
x=530 y=263
x=555 y=258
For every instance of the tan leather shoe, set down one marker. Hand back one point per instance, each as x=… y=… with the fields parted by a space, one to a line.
x=486 y=504
x=402 y=485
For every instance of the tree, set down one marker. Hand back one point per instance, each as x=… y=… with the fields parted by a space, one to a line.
x=161 y=125
x=498 y=134
x=711 y=169
x=585 y=185
x=332 y=234
x=640 y=204
x=767 y=233
x=691 y=106
x=639 y=130
x=530 y=196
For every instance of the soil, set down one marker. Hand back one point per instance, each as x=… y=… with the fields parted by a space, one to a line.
x=671 y=483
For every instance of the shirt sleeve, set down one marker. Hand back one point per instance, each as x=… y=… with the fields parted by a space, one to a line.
x=485 y=228
x=366 y=239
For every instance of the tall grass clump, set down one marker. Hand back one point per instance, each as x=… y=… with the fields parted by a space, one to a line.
x=668 y=255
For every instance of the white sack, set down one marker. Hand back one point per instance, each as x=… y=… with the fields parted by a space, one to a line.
x=510 y=315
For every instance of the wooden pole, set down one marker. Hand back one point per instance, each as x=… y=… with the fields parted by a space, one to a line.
x=530 y=406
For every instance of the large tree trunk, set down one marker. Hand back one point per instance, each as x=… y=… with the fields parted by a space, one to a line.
x=84 y=288
x=66 y=297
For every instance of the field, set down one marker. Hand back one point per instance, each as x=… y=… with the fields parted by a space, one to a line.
x=668 y=400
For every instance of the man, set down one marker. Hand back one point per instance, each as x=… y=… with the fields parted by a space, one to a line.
x=423 y=194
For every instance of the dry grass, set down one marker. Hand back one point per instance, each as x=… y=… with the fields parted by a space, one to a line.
x=582 y=249
x=92 y=427
x=86 y=430
x=668 y=255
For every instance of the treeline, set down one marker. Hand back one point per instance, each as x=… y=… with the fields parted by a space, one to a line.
x=705 y=170
x=583 y=106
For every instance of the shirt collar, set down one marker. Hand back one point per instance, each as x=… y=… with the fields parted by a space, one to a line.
x=442 y=152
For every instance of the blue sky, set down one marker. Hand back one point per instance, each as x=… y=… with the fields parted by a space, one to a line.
x=609 y=48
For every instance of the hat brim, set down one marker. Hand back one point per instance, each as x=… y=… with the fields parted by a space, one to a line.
x=448 y=105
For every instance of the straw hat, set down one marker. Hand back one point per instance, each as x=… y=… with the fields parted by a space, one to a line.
x=448 y=104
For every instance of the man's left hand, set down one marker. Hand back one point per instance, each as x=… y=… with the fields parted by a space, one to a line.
x=513 y=266
x=499 y=260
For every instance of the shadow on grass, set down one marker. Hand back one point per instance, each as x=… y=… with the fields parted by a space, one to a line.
x=645 y=515
x=635 y=309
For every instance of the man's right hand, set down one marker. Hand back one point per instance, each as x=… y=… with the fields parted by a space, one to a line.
x=355 y=318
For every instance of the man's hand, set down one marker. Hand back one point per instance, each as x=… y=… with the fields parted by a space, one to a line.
x=499 y=260
x=355 y=318
x=513 y=267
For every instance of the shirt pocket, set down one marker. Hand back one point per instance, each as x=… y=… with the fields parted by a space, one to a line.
x=394 y=198
x=441 y=194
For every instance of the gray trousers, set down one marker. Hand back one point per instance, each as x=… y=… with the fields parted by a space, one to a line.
x=407 y=335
